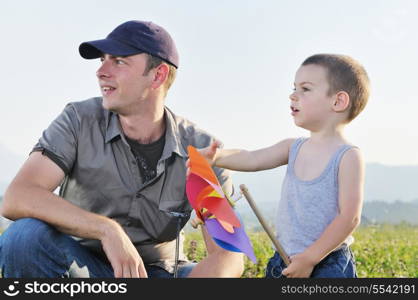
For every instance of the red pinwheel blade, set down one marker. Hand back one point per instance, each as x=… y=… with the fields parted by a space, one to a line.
x=221 y=209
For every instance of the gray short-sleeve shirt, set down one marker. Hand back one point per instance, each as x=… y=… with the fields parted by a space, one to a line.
x=101 y=175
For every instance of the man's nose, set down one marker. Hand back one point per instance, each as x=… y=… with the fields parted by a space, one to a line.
x=104 y=70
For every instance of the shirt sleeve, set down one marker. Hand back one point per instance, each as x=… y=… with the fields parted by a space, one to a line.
x=59 y=141
x=224 y=177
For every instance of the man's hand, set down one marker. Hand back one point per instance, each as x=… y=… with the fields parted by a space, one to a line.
x=121 y=253
x=196 y=222
x=301 y=266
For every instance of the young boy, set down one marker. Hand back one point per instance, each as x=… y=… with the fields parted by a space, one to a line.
x=322 y=192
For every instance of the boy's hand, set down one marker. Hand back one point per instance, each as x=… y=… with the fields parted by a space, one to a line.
x=300 y=267
x=209 y=153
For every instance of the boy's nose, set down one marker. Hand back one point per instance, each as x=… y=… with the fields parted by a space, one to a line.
x=292 y=96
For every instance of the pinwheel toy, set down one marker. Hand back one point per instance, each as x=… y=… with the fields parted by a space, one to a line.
x=207 y=198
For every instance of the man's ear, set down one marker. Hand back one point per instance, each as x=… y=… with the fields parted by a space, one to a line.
x=161 y=74
x=341 y=101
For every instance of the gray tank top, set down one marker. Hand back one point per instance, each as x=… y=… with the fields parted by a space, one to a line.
x=306 y=208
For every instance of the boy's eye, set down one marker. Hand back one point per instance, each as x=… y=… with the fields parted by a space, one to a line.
x=304 y=89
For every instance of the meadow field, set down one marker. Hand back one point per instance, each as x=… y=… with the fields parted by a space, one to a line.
x=381 y=251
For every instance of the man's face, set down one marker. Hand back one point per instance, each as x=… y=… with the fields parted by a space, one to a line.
x=122 y=82
x=310 y=102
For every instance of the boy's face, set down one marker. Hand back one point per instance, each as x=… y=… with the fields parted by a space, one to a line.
x=310 y=104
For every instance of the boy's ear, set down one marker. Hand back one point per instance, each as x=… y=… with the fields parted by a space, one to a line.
x=341 y=101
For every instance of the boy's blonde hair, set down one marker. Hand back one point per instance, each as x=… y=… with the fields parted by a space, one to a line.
x=344 y=74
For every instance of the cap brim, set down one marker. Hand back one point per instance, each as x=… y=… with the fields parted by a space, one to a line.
x=95 y=49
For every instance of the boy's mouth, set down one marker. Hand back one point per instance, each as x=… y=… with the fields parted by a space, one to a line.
x=294 y=111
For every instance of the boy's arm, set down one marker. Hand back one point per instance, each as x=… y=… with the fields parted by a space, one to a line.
x=351 y=182
x=249 y=161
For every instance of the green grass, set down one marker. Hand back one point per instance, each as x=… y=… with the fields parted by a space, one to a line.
x=386 y=251
x=380 y=251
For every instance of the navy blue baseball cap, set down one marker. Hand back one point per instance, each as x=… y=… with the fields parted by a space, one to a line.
x=134 y=37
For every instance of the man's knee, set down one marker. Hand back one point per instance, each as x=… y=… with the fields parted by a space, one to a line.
x=233 y=262
x=26 y=234
x=31 y=248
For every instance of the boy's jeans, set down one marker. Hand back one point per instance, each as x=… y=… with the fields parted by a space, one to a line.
x=31 y=248
x=338 y=264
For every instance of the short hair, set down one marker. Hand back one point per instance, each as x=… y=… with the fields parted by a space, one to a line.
x=344 y=74
x=153 y=62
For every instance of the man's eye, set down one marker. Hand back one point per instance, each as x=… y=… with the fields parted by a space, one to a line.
x=120 y=62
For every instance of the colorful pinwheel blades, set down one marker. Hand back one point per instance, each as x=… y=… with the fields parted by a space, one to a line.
x=211 y=206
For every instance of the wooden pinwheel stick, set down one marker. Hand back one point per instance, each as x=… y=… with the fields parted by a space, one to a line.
x=263 y=223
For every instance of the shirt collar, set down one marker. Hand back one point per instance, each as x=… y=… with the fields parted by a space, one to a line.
x=172 y=136
x=113 y=128
x=172 y=133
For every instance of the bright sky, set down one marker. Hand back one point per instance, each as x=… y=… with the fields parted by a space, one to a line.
x=237 y=64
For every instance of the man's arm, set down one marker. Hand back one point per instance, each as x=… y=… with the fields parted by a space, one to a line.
x=350 y=200
x=219 y=262
x=30 y=195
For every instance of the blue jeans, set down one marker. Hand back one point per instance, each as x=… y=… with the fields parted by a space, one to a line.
x=30 y=248
x=338 y=264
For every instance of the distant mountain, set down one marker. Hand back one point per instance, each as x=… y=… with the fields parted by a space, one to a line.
x=391 y=183
x=391 y=194
x=374 y=212
x=382 y=183
x=394 y=213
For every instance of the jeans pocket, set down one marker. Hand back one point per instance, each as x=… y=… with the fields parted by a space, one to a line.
x=351 y=269
x=332 y=266
x=274 y=268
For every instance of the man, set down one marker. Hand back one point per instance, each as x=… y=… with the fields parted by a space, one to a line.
x=120 y=161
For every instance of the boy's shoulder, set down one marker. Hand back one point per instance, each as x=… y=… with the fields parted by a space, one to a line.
x=352 y=159
x=290 y=141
